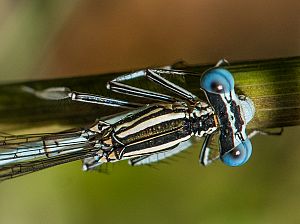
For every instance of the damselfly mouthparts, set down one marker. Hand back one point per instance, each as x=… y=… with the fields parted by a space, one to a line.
x=148 y=133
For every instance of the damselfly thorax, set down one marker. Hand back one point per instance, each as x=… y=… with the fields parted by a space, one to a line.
x=156 y=128
x=148 y=133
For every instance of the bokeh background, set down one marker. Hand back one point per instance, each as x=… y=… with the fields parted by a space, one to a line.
x=51 y=39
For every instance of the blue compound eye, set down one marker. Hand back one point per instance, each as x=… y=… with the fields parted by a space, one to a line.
x=217 y=80
x=239 y=155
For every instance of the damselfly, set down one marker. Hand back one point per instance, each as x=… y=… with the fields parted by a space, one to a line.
x=148 y=133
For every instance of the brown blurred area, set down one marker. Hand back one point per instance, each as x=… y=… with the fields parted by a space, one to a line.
x=48 y=39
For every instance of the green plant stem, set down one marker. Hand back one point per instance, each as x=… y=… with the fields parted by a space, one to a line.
x=274 y=86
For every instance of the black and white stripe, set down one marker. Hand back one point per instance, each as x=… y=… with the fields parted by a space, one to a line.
x=157 y=128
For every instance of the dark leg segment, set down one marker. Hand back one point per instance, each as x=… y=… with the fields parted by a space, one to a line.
x=60 y=93
x=133 y=91
x=155 y=76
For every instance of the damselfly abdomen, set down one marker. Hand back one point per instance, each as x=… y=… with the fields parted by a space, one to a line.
x=148 y=133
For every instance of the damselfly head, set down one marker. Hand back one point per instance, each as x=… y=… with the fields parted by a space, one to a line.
x=233 y=112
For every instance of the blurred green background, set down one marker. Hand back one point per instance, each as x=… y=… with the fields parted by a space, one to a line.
x=50 y=39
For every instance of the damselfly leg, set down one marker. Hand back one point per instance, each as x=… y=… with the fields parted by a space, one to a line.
x=61 y=93
x=265 y=132
x=117 y=86
x=155 y=76
x=222 y=62
x=156 y=157
x=203 y=157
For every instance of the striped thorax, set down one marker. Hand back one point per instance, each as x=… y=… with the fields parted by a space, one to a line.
x=157 y=128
